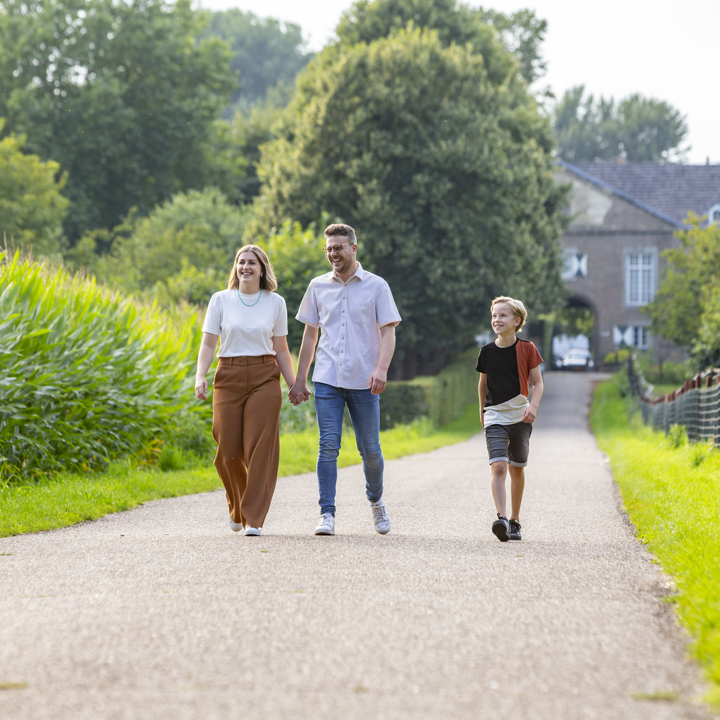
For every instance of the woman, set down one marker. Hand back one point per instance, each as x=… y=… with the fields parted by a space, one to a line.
x=251 y=322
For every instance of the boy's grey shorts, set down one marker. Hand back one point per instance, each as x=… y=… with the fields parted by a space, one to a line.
x=509 y=443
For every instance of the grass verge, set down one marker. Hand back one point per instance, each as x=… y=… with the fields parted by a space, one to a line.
x=671 y=491
x=69 y=499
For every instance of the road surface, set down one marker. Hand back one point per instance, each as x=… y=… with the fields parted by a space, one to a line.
x=163 y=612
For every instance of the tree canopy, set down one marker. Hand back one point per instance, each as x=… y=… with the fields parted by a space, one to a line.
x=637 y=129
x=522 y=32
x=119 y=94
x=438 y=156
x=686 y=308
x=182 y=251
x=31 y=206
x=265 y=53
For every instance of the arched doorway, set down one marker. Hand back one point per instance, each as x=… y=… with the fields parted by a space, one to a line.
x=573 y=327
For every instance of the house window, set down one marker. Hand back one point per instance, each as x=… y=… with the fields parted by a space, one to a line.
x=641 y=337
x=639 y=277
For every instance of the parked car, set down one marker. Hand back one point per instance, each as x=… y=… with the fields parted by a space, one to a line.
x=576 y=359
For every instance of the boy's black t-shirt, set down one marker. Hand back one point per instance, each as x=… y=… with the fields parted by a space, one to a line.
x=507 y=370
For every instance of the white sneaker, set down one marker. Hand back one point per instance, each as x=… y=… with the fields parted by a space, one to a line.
x=253 y=531
x=380 y=517
x=326 y=526
x=236 y=527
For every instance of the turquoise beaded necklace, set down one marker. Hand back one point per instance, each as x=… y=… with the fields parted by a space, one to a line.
x=246 y=304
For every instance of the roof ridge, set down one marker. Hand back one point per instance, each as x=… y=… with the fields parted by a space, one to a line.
x=619 y=193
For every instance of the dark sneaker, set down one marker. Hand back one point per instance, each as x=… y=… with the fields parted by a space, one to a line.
x=514 y=532
x=500 y=527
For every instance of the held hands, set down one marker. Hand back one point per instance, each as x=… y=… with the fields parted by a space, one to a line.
x=530 y=414
x=377 y=381
x=298 y=393
x=201 y=388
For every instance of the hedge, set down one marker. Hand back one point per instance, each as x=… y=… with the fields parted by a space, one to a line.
x=441 y=397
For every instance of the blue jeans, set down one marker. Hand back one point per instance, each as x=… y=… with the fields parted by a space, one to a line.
x=364 y=410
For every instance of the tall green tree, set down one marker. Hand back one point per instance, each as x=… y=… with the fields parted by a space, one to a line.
x=707 y=345
x=182 y=251
x=234 y=151
x=32 y=208
x=439 y=157
x=637 y=129
x=265 y=53
x=685 y=307
x=522 y=32
x=297 y=257
x=119 y=93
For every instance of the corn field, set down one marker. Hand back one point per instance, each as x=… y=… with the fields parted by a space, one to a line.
x=86 y=375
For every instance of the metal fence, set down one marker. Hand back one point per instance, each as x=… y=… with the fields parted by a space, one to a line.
x=696 y=405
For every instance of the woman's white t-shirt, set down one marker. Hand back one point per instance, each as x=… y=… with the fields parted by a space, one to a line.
x=246 y=328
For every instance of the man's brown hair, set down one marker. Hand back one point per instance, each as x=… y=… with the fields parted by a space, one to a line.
x=342 y=230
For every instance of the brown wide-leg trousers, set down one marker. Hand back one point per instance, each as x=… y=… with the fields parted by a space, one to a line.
x=246 y=426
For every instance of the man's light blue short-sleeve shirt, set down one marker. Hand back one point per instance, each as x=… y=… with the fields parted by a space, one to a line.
x=350 y=315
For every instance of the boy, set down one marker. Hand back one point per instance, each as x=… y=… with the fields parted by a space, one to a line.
x=505 y=366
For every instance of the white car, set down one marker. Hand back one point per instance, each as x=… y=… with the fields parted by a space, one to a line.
x=576 y=359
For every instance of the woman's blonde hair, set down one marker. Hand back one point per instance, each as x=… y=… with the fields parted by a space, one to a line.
x=517 y=307
x=267 y=279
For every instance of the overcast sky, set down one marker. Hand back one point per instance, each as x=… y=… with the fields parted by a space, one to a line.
x=660 y=48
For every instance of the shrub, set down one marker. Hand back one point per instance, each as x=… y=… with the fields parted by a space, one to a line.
x=401 y=402
x=85 y=375
x=669 y=373
x=31 y=206
x=191 y=432
x=295 y=419
x=441 y=397
x=617 y=356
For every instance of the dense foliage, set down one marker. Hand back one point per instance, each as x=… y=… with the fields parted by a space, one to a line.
x=297 y=257
x=521 y=33
x=441 y=398
x=182 y=251
x=439 y=156
x=31 y=206
x=636 y=129
x=85 y=376
x=265 y=52
x=119 y=94
x=686 y=308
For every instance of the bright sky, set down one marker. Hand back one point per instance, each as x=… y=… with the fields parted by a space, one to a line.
x=660 y=48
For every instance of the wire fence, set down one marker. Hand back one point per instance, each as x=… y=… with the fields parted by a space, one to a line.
x=695 y=405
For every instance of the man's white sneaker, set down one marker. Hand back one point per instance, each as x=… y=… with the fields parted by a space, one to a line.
x=253 y=531
x=380 y=517
x=326 y=526
x=236 y=527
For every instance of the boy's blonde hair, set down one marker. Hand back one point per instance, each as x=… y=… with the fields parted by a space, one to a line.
x=517 y=307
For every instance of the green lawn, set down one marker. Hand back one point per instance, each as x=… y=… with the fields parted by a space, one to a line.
x=671 y=491
x=69 y=499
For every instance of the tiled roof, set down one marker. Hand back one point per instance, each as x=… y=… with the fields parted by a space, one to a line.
x=671 y=190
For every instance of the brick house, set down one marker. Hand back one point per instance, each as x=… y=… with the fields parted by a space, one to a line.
x=623 y=217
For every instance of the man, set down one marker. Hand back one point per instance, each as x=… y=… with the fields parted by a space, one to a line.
x=358 y=316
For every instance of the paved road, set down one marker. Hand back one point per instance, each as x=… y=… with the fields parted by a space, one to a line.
x=162 y=612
